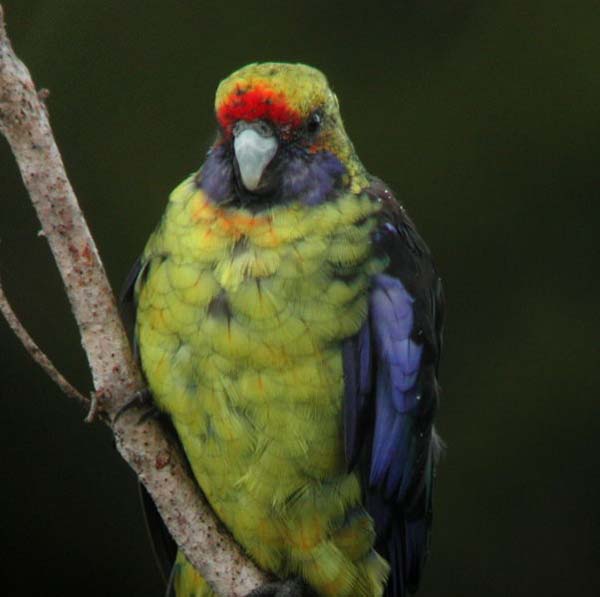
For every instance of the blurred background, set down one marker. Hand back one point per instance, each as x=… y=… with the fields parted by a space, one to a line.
x=485 y=119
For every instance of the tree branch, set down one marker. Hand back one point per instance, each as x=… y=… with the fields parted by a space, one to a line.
x=116 y=377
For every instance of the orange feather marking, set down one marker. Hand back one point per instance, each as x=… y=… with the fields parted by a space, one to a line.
x=232 y=223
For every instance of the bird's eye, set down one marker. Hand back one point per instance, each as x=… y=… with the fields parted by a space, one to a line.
x=314 y=122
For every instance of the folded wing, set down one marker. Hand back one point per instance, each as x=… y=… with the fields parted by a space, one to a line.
x=391 y=394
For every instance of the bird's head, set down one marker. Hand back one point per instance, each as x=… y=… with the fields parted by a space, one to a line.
x=280 y=138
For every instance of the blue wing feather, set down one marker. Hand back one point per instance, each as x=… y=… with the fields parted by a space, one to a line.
x=397 y=393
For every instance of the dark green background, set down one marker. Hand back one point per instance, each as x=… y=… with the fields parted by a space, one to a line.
x=483 y=116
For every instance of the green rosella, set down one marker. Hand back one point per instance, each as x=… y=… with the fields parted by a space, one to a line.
x=288 y=321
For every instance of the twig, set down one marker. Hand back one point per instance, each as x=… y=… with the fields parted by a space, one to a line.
x=24 y=123
x=35 y=351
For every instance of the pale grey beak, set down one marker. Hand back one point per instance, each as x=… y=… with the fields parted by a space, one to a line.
x=254 y=146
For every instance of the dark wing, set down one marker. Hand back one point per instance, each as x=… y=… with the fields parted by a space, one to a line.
x=127 y=300
x=391 y=394
x=163 y=545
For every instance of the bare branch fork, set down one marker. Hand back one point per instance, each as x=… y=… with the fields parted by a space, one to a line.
x=116 y=377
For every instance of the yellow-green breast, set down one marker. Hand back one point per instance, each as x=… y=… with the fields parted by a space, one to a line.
x=240 y=322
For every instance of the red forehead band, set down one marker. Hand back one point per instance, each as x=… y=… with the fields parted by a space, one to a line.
x=257 y=103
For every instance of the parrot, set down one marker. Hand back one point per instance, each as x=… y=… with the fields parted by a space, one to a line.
x=288 y=322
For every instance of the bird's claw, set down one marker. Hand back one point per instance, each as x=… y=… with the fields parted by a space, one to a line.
x=141 y=399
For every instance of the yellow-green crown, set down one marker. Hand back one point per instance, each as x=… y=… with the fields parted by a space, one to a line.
x=283 y=93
